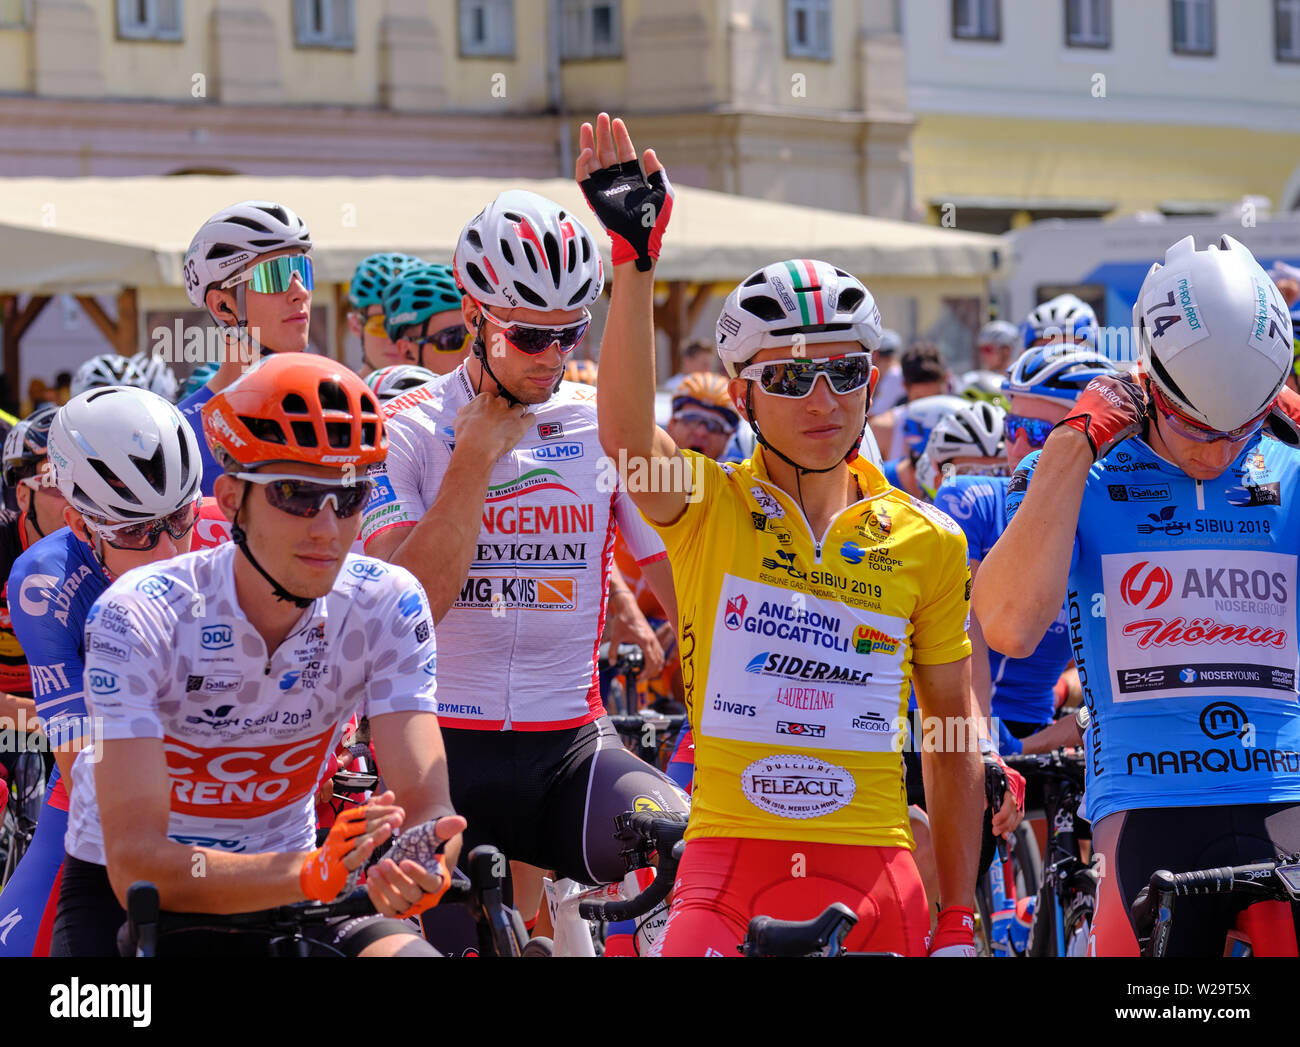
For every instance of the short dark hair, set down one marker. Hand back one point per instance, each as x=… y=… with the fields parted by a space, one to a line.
x=695 y=348
x=923 y=362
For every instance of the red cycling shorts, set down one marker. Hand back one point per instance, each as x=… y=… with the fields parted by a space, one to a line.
x=723 y=883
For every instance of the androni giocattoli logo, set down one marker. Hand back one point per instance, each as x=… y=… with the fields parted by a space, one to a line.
x=867 y=640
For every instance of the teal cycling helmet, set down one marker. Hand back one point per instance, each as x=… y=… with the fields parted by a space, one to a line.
x=374 y=275
x=420 y=292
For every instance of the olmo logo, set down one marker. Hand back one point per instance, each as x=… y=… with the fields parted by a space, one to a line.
x=1146 y=585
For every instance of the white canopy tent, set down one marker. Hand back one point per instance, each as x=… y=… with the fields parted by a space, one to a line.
x=46 y=224
x=87 y=236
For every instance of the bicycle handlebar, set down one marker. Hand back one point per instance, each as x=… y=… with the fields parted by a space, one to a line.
x=641 y=828
x=1152 y=910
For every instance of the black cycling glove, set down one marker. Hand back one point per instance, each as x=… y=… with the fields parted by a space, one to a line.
x=633 y=209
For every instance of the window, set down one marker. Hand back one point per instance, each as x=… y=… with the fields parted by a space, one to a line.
x=1286 y=35
x=976 y=20
x=324 y=23
x=808 y=29
x=1193 y=27
x=1087 y=23
x=590 y=29
x=14 y=14
x=487 y=27
x=149 y=19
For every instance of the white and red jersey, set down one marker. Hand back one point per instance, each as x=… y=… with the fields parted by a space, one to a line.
x=247 y=733
x=520 y=641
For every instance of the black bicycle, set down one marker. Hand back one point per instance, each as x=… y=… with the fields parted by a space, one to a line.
x=1265 y=884
x=1067 y=896
x=287 y=928
x=648 y=733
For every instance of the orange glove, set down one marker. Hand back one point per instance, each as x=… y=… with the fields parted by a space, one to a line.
x=421 y=844
x=323 y=876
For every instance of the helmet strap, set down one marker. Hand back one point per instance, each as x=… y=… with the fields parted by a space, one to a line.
x=31 y=519
x=240 y=539
x=479 y=349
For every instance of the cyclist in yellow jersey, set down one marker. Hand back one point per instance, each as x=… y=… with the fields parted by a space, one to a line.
x=810 y=595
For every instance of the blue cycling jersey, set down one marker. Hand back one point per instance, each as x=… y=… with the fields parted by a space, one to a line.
x=1182 y=614
x=1022 y=687
x=51 y=588
x=191 y=409
x=890 y=469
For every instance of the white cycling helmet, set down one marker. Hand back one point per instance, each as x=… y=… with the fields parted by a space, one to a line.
x=973 y=431
x=525 y=251
x=1213 y=333
x=999 y=332
x=800 y=300
x=233 y=237
x=921 y=416
x=124 y=455
x=99 y=372
x=1063 y=318
x=890 y=341
x=156 y=375
x=388 y=383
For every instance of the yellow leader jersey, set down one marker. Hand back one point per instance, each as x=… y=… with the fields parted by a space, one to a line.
x=797 y=651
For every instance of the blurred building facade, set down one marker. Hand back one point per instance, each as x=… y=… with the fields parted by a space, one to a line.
x=1030 y=109
x=796 y=100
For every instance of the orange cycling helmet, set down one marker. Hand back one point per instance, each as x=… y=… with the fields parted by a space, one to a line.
x=708 y=390
x=296 y=407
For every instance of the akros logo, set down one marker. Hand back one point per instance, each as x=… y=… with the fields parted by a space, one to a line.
x=1146 y=585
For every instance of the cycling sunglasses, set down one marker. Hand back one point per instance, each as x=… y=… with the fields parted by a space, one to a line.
x=276 y=275
x=143 y=536
x=448 y=340
x=533 y=341
x=796 y=378
x=374 y=326
x=298 y=496
x=1035 y=430
x=707 y=422
x=1190 y=430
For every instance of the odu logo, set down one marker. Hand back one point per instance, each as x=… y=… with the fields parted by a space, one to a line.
x=217 y=637
x=102 y=682
x=371 y=571
x=1224 y=720
x=155 y=586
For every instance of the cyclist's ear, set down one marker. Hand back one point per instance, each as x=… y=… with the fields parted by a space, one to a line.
x=77 y=524
x=228 y=493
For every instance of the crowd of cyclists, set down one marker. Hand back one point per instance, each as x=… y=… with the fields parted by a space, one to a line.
x=864 y=596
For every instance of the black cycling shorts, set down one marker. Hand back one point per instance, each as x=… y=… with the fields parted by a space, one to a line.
x=90 y=917
x=1183 y=839
x=547 y=798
